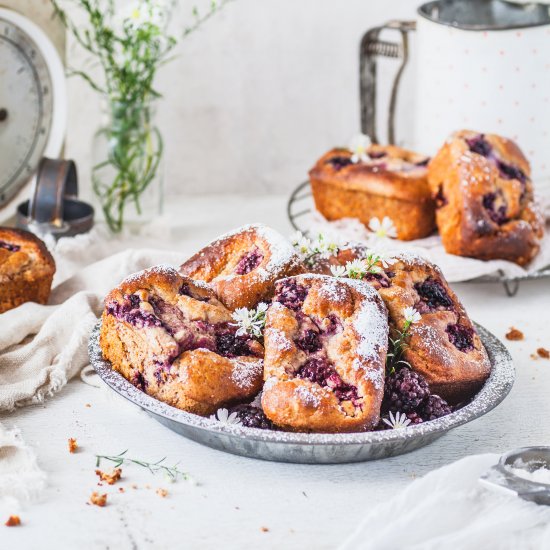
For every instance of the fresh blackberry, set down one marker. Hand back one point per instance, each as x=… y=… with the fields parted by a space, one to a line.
x=435 y=407
x=415 y=418
x=252 y=417
x=405 y=390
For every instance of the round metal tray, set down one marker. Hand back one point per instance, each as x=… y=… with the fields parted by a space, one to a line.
x=314 y=448
x=300 y=205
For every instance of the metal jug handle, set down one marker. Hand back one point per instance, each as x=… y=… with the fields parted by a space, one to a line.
x=372 y=47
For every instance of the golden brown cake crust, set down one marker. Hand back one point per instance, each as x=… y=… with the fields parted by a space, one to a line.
x=26 y=269
x=170 y=336
x=243 y=265
x=484 y=195
x=455 y=371
x=453 y=374
x=394 y=185
x=325 y=349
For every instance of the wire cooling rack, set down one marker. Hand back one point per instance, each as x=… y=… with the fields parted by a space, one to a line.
x=300 y=205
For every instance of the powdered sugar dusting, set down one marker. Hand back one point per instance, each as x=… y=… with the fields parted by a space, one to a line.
x=161 y=269
x=245 y=373
x=309 y=395
x=279 y=339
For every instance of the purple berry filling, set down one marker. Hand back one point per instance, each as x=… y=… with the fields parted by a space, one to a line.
x=382 y=280
x=378 y=154
x=9 y=247
x=252 y=417
x=339 y=162
x=480 y=145
x=497 y=214
x=130 y=312
x=290 y=294
x=511 y=172
x=440 y=198
x=139 y=381
x=185 y=290
x=423 y=162
x=321 y=372
x=309 y=341
x=433 y=296
x=229 y=344
x=249 y=261
x=334 y=325
x=461 y=337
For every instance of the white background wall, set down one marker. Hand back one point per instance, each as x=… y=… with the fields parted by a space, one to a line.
x=256 y=95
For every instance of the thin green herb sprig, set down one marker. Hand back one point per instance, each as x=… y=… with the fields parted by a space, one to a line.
x=399 y=343
x=172 y=472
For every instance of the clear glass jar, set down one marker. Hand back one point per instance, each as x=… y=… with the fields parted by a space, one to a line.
x=127 y=166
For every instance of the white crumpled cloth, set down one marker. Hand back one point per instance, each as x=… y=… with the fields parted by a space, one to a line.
x=449 y=509
x=44 y=346
x=455 y=268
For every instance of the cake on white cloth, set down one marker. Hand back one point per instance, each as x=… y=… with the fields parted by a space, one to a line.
x=450 y=509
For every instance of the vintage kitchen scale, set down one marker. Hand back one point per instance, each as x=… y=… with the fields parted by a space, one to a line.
x=33 y=122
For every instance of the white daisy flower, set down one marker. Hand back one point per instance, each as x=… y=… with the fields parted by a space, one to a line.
x=359 y=146
x=400 y=420
x=222 y=415
x=380 y=257
x=357 y=269
x=300 y=242
x=250 y=321
x=338 y=270
x=411 y=315
x=384 y=228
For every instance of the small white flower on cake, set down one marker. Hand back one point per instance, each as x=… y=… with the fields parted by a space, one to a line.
x=338 y=270
x=222 y=415
x=411 y=315
x=250 y=321
x=380 y=257
x=384 y=228
x=400 y=420
x=357 y=269
x=312 y=250
x=300 y=242
x=359 y=145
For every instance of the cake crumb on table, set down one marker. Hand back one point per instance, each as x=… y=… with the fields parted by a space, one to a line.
x=13 y=521
x=110 y=478
x=514 y=334
x=162 y=493
x=73 y=445
x=98 y=500
x=264 y=529
x=544 y=353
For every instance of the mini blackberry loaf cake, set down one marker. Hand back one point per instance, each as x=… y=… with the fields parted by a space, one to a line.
x=442 y=346
x=484 y=199
x=243 y=265
x=26 y=269
x=388 y=181
x=325 y=350
x=172 y=338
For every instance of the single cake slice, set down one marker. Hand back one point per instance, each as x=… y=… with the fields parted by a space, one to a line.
x=243 y=265
x=484 y=197
x=443 y=345
x=26 y=269
x=325 y=350
x=172 y=338
x=390 y=181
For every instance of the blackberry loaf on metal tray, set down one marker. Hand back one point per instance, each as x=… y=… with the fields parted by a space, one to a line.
x=325 y=350
x=386 y=181
x=171 y=336
x=243 y=265
x=26 y=269
x=484 y=197
x=443 y=346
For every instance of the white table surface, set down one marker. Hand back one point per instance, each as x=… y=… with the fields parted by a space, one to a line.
x=301 y=506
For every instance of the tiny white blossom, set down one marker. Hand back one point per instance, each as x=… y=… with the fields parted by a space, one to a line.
x=222 y=415
x=357 y=269
x=338 y=270
x=400 y=420
x=300 y=242
x=250 y=321
x=411 y=315
x=384 y=228
x=380 y=257
x=359 y=146
x=313 y=250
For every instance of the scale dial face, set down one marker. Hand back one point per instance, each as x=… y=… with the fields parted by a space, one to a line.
x=26 y=107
